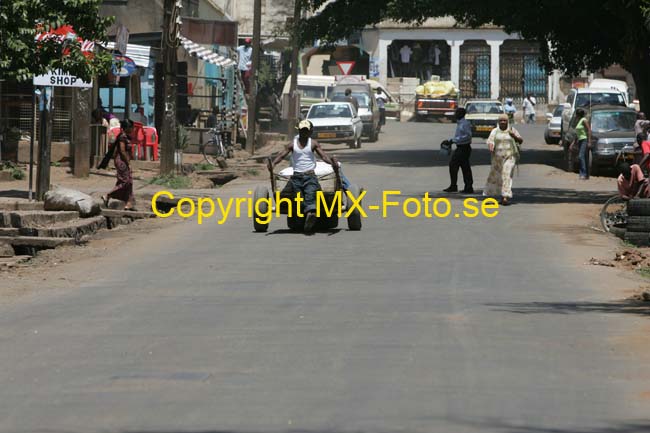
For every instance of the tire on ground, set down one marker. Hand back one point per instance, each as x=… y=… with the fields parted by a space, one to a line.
x=617 y=231
x=354 y=219
x=637 y=238
x=261 y=192
x=295 y=223
x=638 y=207
x=638 y=224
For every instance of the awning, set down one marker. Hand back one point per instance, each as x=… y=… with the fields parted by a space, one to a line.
x=206 y=54
x=140 y=54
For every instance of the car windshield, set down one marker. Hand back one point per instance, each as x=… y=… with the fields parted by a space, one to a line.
x=333 y=110
x=610 y=121
x=489 y=108
x=558 y=111
x=362 y=98
x=315 y=92
x=587 y=99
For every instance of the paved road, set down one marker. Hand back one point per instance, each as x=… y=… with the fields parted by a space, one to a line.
x=410 y=325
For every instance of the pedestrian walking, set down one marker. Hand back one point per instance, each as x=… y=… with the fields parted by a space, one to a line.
x=123 y=189
x=381 y=103
x=460 y=157
x=529 y=108
x=511 y=110
x=583 y=142
x=245 y=53
x=351 y=99
x=504 y=142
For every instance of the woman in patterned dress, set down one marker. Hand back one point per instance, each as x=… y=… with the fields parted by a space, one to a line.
x=504 y=142
x=123 y=189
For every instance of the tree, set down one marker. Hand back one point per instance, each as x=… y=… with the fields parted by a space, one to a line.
x=21 y=21
x=574 y=35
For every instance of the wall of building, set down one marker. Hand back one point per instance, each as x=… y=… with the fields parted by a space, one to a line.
x=274 y=15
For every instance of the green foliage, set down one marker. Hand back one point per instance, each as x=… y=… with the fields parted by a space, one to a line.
x=204 y=166
x=644 y=272
x=172 y=181
x=182 y=137
x=21 y=57
x=17 y=173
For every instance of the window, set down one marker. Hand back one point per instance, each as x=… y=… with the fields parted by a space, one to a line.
x=316 y=92
x=610 y=121
x=485 y=108
x=327 y=111
x=558 y=111
x=587 y=99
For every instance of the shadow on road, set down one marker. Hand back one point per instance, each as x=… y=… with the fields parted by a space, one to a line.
x=616 y=307
x=530 y=196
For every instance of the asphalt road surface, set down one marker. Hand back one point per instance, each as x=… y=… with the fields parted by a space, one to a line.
x=411 y=325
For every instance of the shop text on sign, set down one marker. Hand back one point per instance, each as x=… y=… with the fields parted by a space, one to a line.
x=59 y=78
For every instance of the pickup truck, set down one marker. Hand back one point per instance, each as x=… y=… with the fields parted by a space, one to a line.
x=426 y=106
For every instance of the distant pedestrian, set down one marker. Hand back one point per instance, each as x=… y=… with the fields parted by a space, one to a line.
x=245 y=53
x=641 y=125
x=511 y=110
x=123 y=189
x=460 y=157
x=583 y=133
x=504 y=142
x=381 y=103
x=351 y=99
x=529 y=108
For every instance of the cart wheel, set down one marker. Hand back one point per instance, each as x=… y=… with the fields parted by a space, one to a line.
x=295 y=223
x=354 y=219
x=332 y=222
x=261 y=193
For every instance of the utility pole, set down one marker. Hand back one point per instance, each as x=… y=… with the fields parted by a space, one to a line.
x=44 y=144
x=252 y=104
x=295 y=52
x=170 y=39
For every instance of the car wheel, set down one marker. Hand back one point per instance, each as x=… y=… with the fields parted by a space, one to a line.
x=373 y=136
x=261 y=193
x=547 y=138
x=592 y=168
x=354 y=218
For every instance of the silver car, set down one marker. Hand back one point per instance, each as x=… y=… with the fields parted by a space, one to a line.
x=554 y=128
x=336 y=122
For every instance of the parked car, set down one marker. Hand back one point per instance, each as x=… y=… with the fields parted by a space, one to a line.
x=554 y=126
x=368 y=109
x=336 y=122
x=483 y=115
x=586 y=98
x=612 y=129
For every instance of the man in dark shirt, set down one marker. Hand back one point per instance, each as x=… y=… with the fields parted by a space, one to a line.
x=460 y=158
x=351 y=99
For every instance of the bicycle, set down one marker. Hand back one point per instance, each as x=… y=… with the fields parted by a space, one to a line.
x=613 y=215
x=220 y=151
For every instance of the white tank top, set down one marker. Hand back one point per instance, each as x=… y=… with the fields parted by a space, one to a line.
x=302 y=159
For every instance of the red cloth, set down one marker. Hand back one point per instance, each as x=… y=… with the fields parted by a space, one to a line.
x=645 y=147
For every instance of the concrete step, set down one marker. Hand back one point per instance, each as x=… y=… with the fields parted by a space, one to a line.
x=10 y=262
x=35 y=218
x=75 y=229
x=116 y=218
x=4 y=231
x=14 y=205
x=37 y=242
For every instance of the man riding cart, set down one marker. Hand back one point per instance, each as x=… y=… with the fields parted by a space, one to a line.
x=321 y=186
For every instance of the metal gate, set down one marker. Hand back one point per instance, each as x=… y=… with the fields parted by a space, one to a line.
x=535 y=78
x=475 y=71
x=521 y=72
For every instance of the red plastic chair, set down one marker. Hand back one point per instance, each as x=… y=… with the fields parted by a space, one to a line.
x=137 y=139
x=151 y=140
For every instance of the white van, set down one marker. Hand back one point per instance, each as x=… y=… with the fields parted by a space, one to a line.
x=313 y=89
x=606 y=84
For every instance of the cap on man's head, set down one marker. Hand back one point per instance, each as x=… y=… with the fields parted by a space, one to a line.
x=305 y=124
x=248 y=40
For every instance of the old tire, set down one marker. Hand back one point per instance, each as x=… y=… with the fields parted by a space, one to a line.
x=638 y=224
x=354 y=219
x=618 y=231
x=261 y=193
x=637 y=238
x=374 y=135
x=638 y=207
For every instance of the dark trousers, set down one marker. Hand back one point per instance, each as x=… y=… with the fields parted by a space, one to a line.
x=382 y=116
x=460 y=159
x=308 y=186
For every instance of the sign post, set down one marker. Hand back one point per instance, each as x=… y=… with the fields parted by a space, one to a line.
x=346 y=67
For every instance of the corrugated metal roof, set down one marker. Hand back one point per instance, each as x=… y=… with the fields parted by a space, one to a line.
x=140 y=54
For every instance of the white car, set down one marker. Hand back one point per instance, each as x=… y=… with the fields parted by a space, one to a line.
x=586 y=98
x=336 y=122
x=554 y=127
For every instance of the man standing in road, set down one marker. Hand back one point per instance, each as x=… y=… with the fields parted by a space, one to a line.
x=303 y=161
x=529 y=108
x=351 y=99
x=381 y=103
x=460 y=157
x=245 y=62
